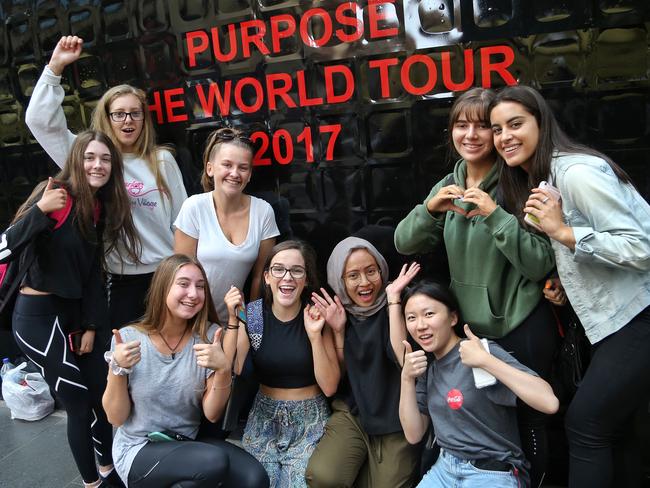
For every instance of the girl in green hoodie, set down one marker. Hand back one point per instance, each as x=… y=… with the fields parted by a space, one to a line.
x=497 y=267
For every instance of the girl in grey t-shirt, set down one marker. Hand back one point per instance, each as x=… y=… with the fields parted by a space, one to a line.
x=476 y=428
x=165 y=371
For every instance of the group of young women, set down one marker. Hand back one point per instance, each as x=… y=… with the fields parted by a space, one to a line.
x=125 y=211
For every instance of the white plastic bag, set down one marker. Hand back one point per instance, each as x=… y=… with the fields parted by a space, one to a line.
x=26 y=394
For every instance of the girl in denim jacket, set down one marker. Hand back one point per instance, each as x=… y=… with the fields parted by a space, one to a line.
x=600 y=232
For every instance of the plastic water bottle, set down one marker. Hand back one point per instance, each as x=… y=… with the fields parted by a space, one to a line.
x=6 y=366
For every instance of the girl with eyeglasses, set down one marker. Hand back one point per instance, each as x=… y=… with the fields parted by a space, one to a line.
x=228 y=231
x=153 y=181
x=364 y=445
x=295 y=362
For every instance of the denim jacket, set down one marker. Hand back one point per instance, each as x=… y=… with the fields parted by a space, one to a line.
x=607 y=276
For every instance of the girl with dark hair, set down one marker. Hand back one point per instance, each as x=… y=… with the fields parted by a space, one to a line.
x=228 y=231
x=600 y=232
x=295 y=362
x=497 y=265
x=62 y=290
x=476 y=428
x=157 y=392
x=363 y=444
x=153 y=181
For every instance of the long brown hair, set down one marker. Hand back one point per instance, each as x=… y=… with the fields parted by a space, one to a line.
x=516 y=183
x=115 y=206
x=145 y=146
x=162 y=281
x=217 y=139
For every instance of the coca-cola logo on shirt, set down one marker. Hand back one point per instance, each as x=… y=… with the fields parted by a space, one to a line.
x=454 y=399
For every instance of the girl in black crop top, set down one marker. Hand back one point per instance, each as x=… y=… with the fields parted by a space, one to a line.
x=62 y=291
x=364 y=440
x=295 y=361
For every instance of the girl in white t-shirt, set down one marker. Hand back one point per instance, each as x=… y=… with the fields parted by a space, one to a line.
x=229 y=232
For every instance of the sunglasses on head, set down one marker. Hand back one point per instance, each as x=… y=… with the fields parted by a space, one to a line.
x=223 y=135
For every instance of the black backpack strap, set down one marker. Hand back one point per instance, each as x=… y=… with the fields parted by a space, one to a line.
x=255 y=323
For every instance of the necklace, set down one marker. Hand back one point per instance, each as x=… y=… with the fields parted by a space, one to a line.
x=173 y=349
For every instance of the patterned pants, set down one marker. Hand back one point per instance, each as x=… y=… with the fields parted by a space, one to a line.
x=282 y=434
x=41 y=325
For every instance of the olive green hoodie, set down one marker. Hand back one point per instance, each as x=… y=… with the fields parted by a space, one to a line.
x=497 y=267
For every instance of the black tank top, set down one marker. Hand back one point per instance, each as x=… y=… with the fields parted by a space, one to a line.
x=284 y=358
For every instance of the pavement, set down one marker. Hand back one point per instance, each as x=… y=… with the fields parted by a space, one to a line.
x=36 y=454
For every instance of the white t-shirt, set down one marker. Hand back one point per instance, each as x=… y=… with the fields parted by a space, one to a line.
x=224 y=263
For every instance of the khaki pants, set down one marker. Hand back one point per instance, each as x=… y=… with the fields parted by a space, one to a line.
x=347 y=457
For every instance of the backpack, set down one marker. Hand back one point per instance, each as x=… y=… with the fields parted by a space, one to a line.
x=13 y=272
x=255 y=323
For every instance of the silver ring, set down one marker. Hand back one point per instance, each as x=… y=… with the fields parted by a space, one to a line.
x=545 y=200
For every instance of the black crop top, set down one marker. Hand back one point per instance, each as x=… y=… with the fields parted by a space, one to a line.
x=66 y=264
x=284 y=358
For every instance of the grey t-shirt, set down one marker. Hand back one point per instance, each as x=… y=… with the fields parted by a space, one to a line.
x=471 y=423
x=165 y=394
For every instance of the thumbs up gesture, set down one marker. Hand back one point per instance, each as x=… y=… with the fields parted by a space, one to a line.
x=211 y=355
x=415 y=363
x=52 y=198
x=472 y=352
x=125 y=354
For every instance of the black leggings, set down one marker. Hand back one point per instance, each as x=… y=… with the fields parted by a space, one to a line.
x=41 y=325
x=126 y=298
x=616 y=382
x=533 y=344
x=208 y=463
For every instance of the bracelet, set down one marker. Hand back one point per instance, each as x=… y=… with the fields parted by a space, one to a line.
x=116 y=369
x=398 y=302
x=232 y=326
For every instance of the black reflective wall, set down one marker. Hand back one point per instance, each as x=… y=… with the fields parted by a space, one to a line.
x=588 y=57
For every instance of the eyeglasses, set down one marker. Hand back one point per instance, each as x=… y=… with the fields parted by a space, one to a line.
x=297 y=272
x=121 y=116
x=354 y=277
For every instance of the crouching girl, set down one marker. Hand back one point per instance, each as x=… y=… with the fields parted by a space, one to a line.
x=475 y=428
x=164 y=372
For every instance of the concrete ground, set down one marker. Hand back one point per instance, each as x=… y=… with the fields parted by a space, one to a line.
x=36 y=454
